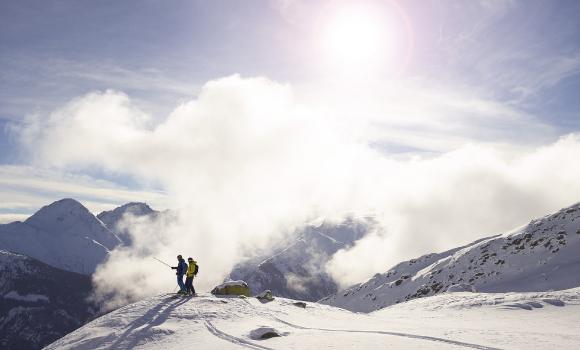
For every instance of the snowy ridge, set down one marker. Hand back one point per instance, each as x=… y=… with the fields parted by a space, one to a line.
x=63 y=234
x=540 y=256
x=209 y=322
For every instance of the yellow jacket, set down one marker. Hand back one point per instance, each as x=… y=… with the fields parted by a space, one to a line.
x=191 y=269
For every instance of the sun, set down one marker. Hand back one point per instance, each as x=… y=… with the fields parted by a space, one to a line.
x=360 y=39
x=355 y=39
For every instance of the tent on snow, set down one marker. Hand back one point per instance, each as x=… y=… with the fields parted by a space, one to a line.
x=232 y=288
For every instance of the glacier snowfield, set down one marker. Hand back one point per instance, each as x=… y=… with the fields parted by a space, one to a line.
x=547 y=320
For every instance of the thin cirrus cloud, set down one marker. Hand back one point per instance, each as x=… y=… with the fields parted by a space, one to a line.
x=25 y=189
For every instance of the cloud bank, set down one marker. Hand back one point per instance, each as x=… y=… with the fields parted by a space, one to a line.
x=247 y=161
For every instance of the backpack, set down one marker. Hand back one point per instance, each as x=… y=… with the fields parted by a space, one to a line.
x=196 y=269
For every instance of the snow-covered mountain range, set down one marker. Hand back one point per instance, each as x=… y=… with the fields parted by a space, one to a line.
x=295 y=268
x=528 y=279
x=68 y=236
x=541 y=256
x=45 y=263
x=63 y=234
x=39 y=303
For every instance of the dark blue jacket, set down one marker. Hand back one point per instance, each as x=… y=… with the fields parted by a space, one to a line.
x=181 y=268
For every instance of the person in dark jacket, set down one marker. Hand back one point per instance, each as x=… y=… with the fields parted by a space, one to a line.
x=181 y=270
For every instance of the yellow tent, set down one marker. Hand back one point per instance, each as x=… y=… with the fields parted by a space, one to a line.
x=232 y=288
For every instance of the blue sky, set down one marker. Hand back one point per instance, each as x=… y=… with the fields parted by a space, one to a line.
x=488 y=71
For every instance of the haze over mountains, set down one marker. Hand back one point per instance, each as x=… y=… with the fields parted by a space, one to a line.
x=113 y=218
x=296 y=269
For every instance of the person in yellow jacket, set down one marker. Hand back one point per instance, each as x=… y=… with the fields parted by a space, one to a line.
x=191 y=272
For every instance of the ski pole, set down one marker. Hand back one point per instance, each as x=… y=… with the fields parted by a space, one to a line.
x=164 y=263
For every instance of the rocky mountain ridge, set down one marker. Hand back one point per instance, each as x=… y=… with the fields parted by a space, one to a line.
x=40 y=303
x=541 y=256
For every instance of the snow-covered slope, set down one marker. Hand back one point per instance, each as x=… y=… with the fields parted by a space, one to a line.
x=112 y=218
x=39 y=303
x=208 y=322
x=296 y=268
x=540 y=320
x=63 y=234
x=544 y=255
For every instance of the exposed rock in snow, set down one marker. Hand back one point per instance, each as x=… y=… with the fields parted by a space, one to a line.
x=300 y=304
x=266 y=333
x=265 y=295
x=541 y=256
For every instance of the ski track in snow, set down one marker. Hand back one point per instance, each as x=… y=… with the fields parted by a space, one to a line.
x=248 y=344
x=397 y=334
x=228 y=337
x=251 y=345
x=232 y=339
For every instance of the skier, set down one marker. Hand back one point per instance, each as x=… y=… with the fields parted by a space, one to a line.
x=181 y=269
x=191 y=272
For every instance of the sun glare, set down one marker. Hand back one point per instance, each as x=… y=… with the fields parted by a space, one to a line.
x=356 y=40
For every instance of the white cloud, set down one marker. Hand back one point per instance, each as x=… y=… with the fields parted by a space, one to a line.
x=6 y=218
x=459 y=197
x=248 y=160
x=243 y=162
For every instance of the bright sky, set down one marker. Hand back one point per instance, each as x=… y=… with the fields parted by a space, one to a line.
x=426 y=76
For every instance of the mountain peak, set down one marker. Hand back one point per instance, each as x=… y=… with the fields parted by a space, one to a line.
x=65 y=203
x=59 y=213
x=112 y=218
x=134 y=208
